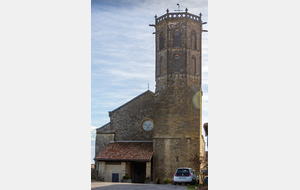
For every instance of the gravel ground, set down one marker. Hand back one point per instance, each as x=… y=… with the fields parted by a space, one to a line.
x=133 y=186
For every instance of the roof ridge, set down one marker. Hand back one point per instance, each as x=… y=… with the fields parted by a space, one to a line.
x=103 y=125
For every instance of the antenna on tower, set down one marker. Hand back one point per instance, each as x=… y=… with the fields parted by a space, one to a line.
x=178 y=8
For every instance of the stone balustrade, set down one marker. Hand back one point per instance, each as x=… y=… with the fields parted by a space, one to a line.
x=180 y=15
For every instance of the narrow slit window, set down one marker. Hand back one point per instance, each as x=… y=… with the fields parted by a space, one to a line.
x=177 y=64
x=194 y=40
x=193 y=65
x=161 y=66
x=161 y=41
x=177 y=38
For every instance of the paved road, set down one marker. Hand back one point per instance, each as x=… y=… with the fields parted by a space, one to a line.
x=134 y=186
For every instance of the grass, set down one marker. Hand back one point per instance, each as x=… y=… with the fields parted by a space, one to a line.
x=93 y=179
x=190 y=187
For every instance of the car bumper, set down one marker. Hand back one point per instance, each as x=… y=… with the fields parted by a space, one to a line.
x=182 y=179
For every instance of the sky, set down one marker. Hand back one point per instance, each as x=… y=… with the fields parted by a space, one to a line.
x=123 y=53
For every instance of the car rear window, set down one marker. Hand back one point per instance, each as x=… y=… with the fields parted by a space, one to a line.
x=183 y=172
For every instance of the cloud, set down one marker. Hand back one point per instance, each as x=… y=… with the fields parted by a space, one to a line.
x=93 y=132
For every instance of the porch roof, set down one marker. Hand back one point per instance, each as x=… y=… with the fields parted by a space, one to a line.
x=126 y=151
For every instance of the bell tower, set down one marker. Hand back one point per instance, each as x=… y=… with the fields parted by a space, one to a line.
x=177 y=111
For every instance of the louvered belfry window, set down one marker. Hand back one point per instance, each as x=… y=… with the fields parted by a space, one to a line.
x=177 y=64
x=161 y=41
x=177 y=38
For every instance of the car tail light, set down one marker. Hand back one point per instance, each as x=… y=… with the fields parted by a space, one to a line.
x=190 y=174
x=175 y=174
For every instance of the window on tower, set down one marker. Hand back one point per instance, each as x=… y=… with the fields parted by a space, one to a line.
x=193 y=65
x=177 y=64
x=158 y=68
x=194 y=40
x=177 y=38
x=161 y=66
x=161 y=41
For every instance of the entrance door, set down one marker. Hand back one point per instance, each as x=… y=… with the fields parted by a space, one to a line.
x=139 y=172
x=115 y=177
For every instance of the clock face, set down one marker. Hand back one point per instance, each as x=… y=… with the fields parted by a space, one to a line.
x=147 y=125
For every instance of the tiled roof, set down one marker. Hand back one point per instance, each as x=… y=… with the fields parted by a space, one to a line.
x=126 y=152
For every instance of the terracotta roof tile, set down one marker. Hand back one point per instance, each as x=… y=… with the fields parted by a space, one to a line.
x=126 y=152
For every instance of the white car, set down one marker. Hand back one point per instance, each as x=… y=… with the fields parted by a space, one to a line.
x=185 y=175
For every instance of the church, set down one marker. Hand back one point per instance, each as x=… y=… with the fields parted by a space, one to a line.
x=155 y=133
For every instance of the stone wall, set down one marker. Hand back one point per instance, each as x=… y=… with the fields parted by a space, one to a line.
x=126 y=120
x=101 y=171
x=93 y=176
x=175 y=113
x=148 y=170
x=102 y=140
x=177 y=131
x=170 y=154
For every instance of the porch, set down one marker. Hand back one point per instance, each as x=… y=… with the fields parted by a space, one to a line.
x=119 y=159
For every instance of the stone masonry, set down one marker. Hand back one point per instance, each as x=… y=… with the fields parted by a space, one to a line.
x=125 y=122
x=128 y=117
x=177 y=131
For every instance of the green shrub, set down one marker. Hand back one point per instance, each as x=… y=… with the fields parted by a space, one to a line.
x=148 y=179
x=158 y=180
x=167 y=181
x=126 y=177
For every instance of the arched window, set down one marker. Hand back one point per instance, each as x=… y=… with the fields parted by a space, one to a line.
x=193 y=65
x=193 y=42
x=177 y=64
x=176 y=38
x=161 y=41
x=161 y=66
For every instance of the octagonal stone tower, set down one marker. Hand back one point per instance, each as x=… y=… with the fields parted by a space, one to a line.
x=177 y=111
